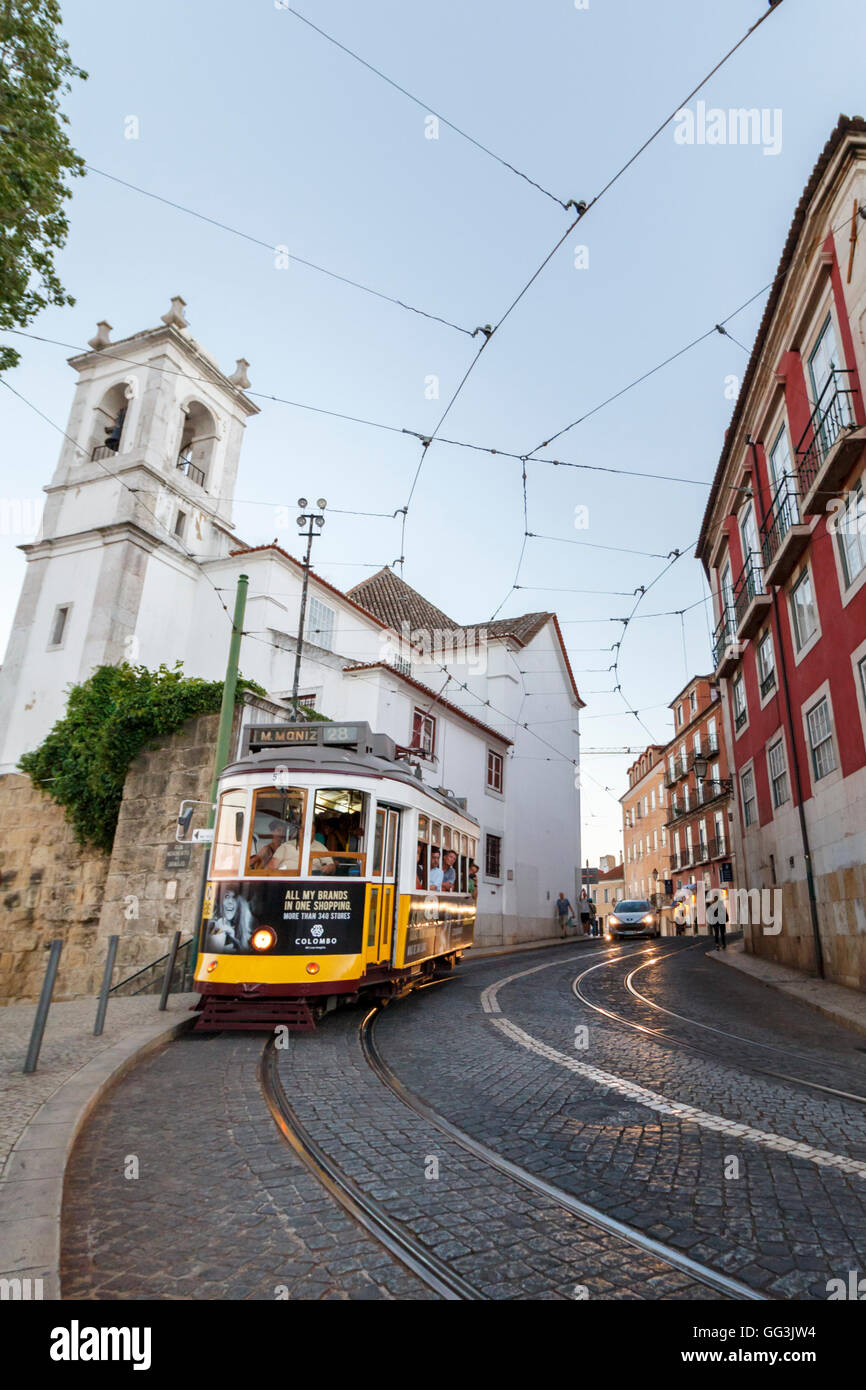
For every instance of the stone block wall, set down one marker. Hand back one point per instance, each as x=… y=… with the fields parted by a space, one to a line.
x=50 y=886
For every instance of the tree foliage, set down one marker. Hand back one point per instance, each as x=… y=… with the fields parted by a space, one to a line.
x=83 y=762
x=35 y=160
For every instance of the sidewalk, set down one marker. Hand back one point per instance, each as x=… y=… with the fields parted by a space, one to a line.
x=41 y=1114
x=847 y=1006
x=573 y=939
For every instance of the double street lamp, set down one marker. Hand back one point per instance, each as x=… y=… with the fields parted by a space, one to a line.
x=313 y=521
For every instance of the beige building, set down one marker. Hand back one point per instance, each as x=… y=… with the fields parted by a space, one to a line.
x=645 y=834
x=610 y=888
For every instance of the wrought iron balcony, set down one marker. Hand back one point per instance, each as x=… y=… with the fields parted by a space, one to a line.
x=192 y=471
x=725 y=648
x=830 y=442
x=751 y=599
x=717 y=846
x=768 y=681
x=740 y=717
x=104 y=451
x=784 y=534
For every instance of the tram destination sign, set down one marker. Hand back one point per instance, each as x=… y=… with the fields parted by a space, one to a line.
x=326 y=734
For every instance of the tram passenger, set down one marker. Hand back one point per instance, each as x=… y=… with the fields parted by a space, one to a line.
x=323 y=864
x=269 y=849
x=421 y=866
x=449 y=872
x=435 y=871
x=473 y=878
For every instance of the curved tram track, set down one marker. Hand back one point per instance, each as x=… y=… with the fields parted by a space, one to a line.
x=392 y=1233
x=673 y=1040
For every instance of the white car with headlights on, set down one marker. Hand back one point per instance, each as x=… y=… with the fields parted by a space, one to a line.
x=633 y=917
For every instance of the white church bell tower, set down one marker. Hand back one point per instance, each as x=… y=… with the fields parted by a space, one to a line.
x=140 y=499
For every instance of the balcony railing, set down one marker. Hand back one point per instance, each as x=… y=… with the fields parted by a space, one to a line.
x=104 y=451
x=192 y=471
x=749 y=584
x=714 y=789
x=833 y=416
x=740 y=717
x=768 y=681
x=783 y=514
x=724 y=637
x=717 y=846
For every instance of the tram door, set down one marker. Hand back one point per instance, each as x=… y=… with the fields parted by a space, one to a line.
x=383 y=886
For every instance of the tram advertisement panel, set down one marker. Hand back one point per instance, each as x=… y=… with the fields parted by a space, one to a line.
x=308 y=918
x=438 y=924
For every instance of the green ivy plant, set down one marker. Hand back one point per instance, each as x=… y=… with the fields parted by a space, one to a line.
x=110 y=717
x=36 y=160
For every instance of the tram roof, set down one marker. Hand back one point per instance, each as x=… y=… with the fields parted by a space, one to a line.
x=359 y=750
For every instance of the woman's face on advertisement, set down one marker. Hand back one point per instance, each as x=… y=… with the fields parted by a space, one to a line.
x=230 y=905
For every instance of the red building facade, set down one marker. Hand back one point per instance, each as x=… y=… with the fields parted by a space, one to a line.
x=784 y=545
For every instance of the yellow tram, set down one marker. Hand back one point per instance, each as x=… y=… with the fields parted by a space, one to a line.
x=333 y=871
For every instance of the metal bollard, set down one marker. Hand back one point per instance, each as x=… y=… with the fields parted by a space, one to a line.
x=43 y=1006
x=106 y=986
x=169 y=970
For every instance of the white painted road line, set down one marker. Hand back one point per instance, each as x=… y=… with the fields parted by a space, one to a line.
x=652 y=1099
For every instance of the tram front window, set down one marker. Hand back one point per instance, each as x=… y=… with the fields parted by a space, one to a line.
x=277 y=831
x=338 y=842
x=229 y=834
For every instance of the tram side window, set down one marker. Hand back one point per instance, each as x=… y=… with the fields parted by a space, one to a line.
x=229 y=834
x=338 y=844
x=450 y=867
x=422 y=865
x=277 y=831
x=434 y=878
x=463 y=865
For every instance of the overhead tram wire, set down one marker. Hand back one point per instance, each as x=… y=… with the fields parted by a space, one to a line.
x=583 y=209
x=429 y=109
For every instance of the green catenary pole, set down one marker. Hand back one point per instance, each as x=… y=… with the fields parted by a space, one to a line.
x=224 y=733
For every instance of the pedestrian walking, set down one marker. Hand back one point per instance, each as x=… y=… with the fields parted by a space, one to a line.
x=717 y=918
x=593 y=919
x=564 y=912
x=583 y=911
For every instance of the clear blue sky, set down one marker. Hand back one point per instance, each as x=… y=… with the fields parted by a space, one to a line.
x=252 y=118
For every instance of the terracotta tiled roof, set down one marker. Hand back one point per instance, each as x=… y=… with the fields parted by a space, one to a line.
x=612 y=874
x=426 y=689
x=394 y=602
x=846 y=125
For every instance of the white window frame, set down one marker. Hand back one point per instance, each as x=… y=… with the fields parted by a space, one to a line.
x=749 y=772
x=318 y=626
x=849 y=587
x=763 y=638
x=777 y=741
x=489 y=787
x=802 y=651
x=808 y=707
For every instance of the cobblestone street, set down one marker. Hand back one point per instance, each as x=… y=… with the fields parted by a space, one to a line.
x=737 y=1142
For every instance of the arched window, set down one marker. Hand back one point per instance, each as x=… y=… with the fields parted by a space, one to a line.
x=108 y=422
x=197 y=441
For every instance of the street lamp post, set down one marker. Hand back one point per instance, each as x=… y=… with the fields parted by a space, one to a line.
x=314 y=521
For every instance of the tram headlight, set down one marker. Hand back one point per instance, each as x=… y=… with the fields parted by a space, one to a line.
x=312 y=967
x=263 y=939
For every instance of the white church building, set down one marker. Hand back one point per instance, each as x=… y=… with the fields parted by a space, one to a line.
x=137 y=555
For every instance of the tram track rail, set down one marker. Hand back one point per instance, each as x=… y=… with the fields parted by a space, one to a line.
x=427 y=1267
x=666 y=1037
x=729 y=1288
